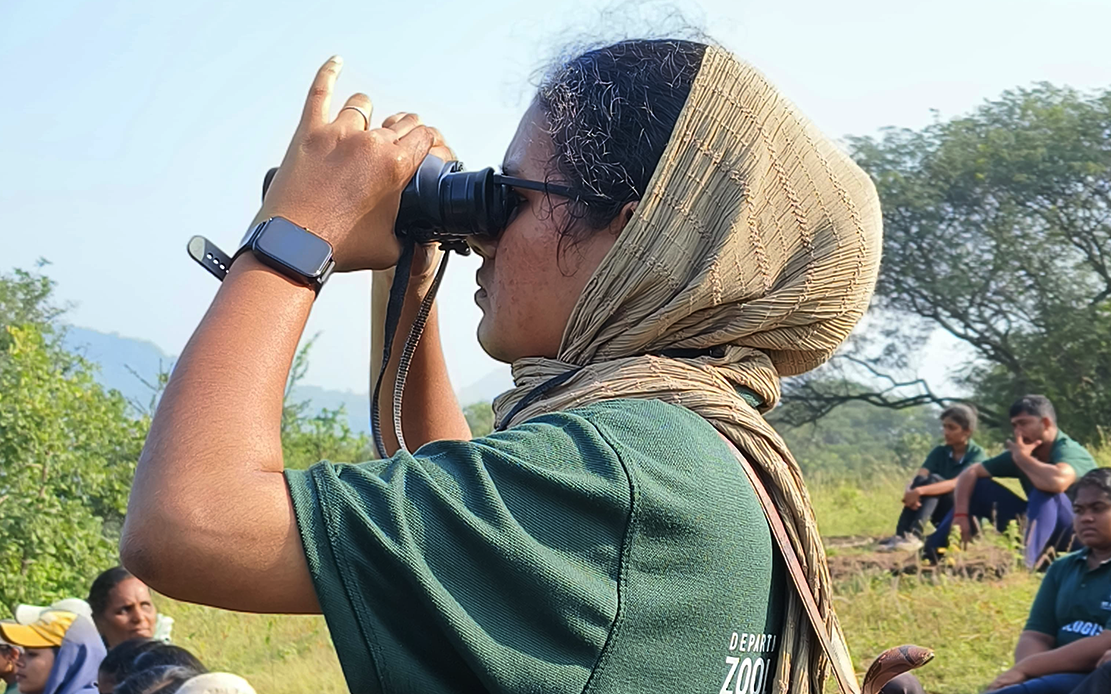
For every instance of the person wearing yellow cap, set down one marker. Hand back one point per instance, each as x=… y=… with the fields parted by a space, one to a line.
x=60 y=653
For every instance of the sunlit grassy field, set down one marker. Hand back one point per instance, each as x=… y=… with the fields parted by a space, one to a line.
x=972 y=625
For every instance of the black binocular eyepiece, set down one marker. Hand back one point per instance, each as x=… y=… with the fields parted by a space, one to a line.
x=445 y=204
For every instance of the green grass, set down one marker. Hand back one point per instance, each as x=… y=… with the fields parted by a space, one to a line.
x=277 y=654
x=845 y=508
x=972 y=626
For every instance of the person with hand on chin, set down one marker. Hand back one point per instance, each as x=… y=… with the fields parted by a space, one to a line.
x=659 y=274
x=1066 y=635
x=1046 y=461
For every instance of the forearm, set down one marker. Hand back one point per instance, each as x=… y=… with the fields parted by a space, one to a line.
x=965 y=483
x=430 y=411
x=1044 y=476
x=938 y=488
x=1081 y=655
x=213 y=458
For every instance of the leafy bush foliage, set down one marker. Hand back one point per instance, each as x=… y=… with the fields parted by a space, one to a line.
x=67 y=454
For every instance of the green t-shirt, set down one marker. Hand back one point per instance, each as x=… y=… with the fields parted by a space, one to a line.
x=1073 y=600
x=1064 y=450
x=613 y=548
x=941 y=460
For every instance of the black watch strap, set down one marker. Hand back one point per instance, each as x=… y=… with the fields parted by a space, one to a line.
x=209 y=256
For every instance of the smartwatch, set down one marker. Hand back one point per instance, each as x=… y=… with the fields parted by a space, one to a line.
x=293 y=251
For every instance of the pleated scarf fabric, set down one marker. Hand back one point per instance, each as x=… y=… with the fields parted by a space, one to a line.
x=754 y=251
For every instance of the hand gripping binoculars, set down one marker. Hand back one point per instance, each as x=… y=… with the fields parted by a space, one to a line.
x=444 y=204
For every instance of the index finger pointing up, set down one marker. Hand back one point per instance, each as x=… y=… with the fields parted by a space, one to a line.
x=319 y=101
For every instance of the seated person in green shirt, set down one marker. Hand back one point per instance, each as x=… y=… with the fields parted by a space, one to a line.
x=929 y=496
x=650 y=287
x=1066 y=634
x=1046 y=462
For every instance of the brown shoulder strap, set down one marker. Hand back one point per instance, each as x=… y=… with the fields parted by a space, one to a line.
x=834 y=647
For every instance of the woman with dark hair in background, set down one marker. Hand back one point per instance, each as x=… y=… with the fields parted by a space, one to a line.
x=119 y=664
x=122 y=607
x=168 y=655
x=683 y=239
x=141 y=655
x=929 y=496
x=165 y=679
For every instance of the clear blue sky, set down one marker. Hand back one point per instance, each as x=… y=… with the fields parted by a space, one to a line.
x=129 y=126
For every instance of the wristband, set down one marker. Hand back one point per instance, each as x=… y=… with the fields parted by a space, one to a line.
x=958 y=515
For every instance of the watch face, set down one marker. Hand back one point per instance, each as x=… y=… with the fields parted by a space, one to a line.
x=301 y=251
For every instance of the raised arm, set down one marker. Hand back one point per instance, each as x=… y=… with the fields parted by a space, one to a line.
x=209 y=519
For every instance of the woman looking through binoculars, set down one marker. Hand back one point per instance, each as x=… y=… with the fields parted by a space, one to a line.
x=609 y=536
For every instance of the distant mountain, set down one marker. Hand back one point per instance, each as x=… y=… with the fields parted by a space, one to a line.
x=486 y=388
x=125 y=362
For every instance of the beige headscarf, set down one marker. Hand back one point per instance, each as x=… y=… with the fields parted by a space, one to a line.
x=757 y=236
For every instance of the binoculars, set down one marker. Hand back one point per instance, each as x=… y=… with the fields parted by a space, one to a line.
x=444 y=204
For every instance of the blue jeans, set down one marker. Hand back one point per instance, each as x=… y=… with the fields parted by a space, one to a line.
x=1048 y=518
x=1060 y=683
x=1099 y=682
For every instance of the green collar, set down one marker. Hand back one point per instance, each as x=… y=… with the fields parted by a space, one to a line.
x=754 y=401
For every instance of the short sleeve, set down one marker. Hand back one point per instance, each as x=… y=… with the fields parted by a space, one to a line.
x=934 y=459
x=1043 y=613
x=1002 y=465
x=1074 y=455
x=455 y=568
x=976 y=454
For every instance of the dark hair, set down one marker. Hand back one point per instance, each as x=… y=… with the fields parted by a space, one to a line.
x=963 y=415
x=102 y=587
x=1035 y=406
x=119 y=664
x=1099 y=479
x=160 y=680
x=165 y=655
x=610 y=113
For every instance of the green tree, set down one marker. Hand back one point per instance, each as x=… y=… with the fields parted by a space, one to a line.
x=308 y=438
x=997 y=230
x=68 y=449
x=67 y=454
x=480 y=418
x=858 y=440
